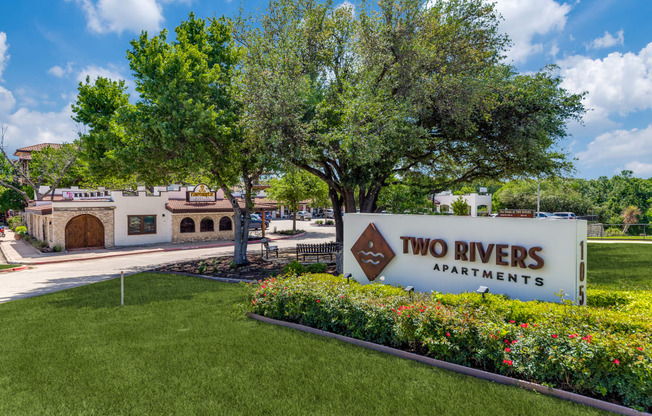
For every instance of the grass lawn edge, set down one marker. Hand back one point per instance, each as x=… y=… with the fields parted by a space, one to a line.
x=469 y=371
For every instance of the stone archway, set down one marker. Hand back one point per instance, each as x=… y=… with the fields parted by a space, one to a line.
x=84 y=231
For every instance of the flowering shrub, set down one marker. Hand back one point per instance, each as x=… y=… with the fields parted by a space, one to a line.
x=603 y=352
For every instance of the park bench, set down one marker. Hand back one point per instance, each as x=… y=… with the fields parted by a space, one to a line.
x=266 y=248
x=318 y=250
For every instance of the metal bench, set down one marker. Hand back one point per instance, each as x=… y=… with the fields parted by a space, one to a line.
x=318 y=250
x=265 y=248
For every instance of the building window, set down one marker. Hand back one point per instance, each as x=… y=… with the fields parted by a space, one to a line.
x=206 y=225
x=225 y=224
x=141 y=224
x=187 y=225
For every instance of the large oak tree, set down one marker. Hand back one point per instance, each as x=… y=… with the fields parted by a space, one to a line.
x=362 y=95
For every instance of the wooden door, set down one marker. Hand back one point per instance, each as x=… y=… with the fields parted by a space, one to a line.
x=84 y=231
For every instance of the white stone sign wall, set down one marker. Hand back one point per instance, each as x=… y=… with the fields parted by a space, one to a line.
x=527 y=259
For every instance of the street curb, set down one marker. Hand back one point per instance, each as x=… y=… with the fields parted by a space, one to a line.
x=15 y=269
x=473 y=372
x=158 y=250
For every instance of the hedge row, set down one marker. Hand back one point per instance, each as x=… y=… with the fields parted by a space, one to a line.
x=602 y=352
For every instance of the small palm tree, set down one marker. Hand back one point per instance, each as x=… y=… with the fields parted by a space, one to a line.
x=630 y=216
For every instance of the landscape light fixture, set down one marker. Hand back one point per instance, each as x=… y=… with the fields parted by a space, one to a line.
x=410 y=290
x=348 y=276
x=483 y=290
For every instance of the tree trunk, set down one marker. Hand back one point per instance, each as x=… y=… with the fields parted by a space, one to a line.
x=240 y=228
x=336 y=201
x=294 y=221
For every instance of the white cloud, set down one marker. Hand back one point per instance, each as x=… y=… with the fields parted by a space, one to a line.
x=608 y=40
x=60 y=72
x=525 y=19
x=26 y=127
x=105 y=16
x=4 y=56
x=640 y=169
x=618 y=149
x=7 y=100
x=94 y=71
x=619 y=83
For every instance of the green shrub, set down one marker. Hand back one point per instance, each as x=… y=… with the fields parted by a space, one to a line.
x=289 y=232
x=319 y=222
x=317 y=268
x=329 y=222
x=14 y=222
x=21 y=229
x=294 y=268
x=604 y=352
x=57 y=248
x=613 y=232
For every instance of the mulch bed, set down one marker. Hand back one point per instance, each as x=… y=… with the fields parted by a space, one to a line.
x=258 y=268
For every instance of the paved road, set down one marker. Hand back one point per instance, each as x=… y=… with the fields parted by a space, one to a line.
x=38 y=280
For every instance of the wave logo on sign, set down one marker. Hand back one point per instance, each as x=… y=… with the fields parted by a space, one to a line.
x=372 y=252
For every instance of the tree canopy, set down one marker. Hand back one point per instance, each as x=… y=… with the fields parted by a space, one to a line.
x=186 y=122
x=402 y=88
x=296 y=186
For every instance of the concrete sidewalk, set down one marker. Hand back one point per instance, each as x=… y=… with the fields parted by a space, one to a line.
x=21 y=252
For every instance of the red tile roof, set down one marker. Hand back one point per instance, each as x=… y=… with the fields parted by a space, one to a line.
x=37 y=147
x=40 y=209
x=221 y=205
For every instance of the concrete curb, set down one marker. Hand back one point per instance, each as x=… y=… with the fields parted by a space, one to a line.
x=157 y=250
x=481 y=374
x=14 y=269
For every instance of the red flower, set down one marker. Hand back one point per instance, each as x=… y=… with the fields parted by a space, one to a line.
x=511 y=322
x=514 y=342
x=317 y=300
x=508 y=350
x=616 y=361
x=554 y=335
x=640 y=348
x=508 y=362
x=448 y=334
x=524 y=325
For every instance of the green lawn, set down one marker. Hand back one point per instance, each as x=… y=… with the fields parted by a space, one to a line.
x=619 y=267
x=8 y=266
x=181 y=346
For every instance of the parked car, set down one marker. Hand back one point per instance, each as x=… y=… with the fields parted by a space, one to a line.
x=543 y=215
x=256 y=222
x=268 y=215
x=304 y=215
x=563 y=216
x=330 y=213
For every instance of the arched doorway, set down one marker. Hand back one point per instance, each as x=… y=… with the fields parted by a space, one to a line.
x=84 y=231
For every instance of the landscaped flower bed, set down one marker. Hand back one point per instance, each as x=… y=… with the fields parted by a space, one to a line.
x=603 y=352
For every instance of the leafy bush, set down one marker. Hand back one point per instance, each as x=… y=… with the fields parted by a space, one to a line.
x=57 y=248
x=613 y=232
x=317 y=268
x=289 y=232
x=329 y=222
x=14 y=222
x=21 y=229
x=294 y=268
x=319 y=222
x=604 y=352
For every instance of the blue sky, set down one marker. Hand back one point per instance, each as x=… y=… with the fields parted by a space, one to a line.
x=603 y=47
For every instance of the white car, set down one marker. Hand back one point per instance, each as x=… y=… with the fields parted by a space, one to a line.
x=304 y=215
x=330 y=213
x=563 y=215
